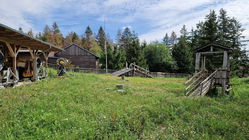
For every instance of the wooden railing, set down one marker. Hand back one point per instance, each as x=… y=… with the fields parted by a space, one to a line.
x=203 y=88
x=194 y=82
x=140 y=69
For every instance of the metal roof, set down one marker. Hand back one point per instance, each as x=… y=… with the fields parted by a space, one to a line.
x=10 y=35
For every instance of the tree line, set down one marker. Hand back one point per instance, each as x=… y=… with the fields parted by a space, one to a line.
x=172 y=54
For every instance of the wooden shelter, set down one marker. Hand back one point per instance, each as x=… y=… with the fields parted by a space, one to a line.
x=79 y=57
x=34 y=51
x=205 y=77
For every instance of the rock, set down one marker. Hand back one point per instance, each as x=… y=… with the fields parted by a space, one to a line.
x=120 y=86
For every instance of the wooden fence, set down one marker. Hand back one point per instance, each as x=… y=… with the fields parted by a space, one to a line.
x=103 y=71
x=162 y=74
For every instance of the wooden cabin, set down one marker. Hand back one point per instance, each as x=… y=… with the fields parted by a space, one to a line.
x=22 y=56
x=78 y=56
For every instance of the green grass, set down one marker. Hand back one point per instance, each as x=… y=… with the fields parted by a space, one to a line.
x=88 y=106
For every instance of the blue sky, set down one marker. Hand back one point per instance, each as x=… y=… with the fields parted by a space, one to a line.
x=151 y=19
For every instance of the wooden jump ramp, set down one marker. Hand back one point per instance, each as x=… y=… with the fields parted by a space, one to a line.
x=133 y=70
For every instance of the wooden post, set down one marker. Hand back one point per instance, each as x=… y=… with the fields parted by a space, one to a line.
x=46 y=62
x=203 y=62
x=223 y=86
x=33 y=54
x=13 y=53
x=35 y=69
x=225 y=60
x=197 y=62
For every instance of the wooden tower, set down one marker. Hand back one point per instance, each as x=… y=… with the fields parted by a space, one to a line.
x=205 y=77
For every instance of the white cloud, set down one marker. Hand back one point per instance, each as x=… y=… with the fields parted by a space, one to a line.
x=160 y=16
x=13 y=12
x=184 y=12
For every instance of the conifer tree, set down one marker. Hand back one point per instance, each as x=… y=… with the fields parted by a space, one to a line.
x=173 y=39
x=30 y=33
x=166 y=39
x=20 y=29
x=101 y=38
x=56 y=35
x=182 y=53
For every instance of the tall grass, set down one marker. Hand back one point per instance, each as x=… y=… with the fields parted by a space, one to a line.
x=88 y=106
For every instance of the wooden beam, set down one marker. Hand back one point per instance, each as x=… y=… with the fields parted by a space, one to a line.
x=12 y=53
x=31 y=53
x=210 y=53
x=45 y=54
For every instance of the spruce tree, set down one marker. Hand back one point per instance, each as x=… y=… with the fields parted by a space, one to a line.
x=116 y=58
x=210 y=29
x=30 y=33
x=173 y=39
x=101 y=37
x=166 y=39
x=182 y=53
x=126 y=38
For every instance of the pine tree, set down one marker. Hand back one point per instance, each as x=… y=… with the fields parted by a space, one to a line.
x=88 y=32
x=126 y=38
x=88 y=40
x=173 y=39
x=30 y=33
x=56 y=29
x=116 y=58
x=118 y=37
x=57 y=36
x=101 y=37
x=39 y=36
x=72 y=38
x=210 y=29
x=223 y=28
x=166 y=39
x=134 y=52
x=20 y=29
x=182 y=53
x=224 y=31
x=47 y=35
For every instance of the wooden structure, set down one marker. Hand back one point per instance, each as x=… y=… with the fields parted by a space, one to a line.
x=205 y=77
x=78 y=56
x=133 y=70
x=22 y=56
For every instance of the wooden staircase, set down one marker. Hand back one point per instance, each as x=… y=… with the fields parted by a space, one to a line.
x=200 y=83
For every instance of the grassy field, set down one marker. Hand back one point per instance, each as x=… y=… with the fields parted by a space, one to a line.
x=87 y=106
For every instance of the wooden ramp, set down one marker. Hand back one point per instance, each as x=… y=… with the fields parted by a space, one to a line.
x=132 y=71
x=200 y=83
x=122 y=72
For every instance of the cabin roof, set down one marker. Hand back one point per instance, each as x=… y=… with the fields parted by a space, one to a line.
x=212 y=45
x=73 y=44
x=11 y=35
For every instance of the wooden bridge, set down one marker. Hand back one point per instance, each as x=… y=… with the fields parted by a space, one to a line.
x=133 y=70
x=204 y=79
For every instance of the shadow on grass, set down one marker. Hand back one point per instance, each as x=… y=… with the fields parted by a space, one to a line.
x=214 y=92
